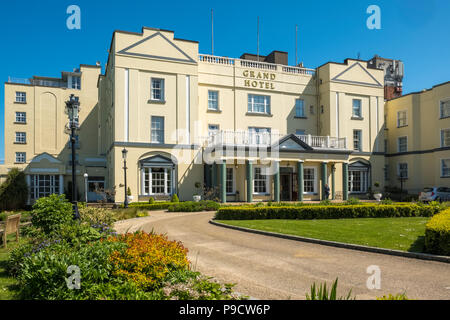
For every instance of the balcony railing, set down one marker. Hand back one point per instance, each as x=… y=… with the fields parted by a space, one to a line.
x=255 y=65
x=250 y=138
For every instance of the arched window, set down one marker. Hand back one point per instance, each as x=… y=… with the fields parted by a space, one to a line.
x=358 y=177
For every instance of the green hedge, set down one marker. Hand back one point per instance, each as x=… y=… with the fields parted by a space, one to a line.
x=191 y=206
x=149 y=206
x=325 y=212
x=437 y=234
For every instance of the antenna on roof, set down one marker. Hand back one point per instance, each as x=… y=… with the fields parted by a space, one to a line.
x=359 y=56
x=212 y=32
x=296 y=45
x=257 y=40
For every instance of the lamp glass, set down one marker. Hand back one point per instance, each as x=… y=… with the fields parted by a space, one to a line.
x=124 y=154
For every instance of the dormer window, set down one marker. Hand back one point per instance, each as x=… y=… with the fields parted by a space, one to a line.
x=75 y=83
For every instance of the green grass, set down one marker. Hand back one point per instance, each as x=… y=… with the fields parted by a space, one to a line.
x=7 y=283
x=406 y=234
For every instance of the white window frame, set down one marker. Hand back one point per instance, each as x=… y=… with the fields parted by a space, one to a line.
x=398 y=144
x=146 y=175
x=211 y=132
x=36 y=187
x=259 y=135
x=161 y=89
x=443 y=139
x=363 y=183
x=315 y=181
x=300 y=108
x=354 y=115
x=75 y=83
x=442 y=168
x=21 y=97
x=359 y=141
x=405 y=118
x=21 y=117
x=20 y=155
x=407 y=169
x=152 y=129
x=266 y=181
x=21 y=137
x=441 y=102
x=213 y=101
x=233 y=177
x=251 y=104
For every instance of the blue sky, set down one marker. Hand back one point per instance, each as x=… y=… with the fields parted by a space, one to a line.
x=36 y=41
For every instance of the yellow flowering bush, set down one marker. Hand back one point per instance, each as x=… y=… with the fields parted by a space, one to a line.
x=148 y=259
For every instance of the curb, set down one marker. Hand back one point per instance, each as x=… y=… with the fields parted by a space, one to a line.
x=414 y=255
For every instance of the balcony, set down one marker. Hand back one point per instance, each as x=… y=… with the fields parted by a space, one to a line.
x=255 y=65
x=243 y=138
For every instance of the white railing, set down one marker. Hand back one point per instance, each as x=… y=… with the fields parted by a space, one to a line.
x=18 y=80
x=250 y=138
x=255 y=65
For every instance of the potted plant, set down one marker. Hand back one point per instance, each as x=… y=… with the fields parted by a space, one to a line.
x=377 y=194
x=129 y=196
x=197 y=196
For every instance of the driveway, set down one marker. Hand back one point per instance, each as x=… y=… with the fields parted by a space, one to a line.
x=272 y=268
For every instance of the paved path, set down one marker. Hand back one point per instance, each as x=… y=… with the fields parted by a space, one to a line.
x=272 y=268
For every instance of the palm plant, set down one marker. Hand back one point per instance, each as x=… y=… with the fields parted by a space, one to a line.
x=321 y=293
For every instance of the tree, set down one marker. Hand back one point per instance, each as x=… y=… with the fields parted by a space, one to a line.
x=14 y=191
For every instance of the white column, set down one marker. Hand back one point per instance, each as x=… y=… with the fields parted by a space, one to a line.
x=165 y=181
x=142 y=191
x=61 y=184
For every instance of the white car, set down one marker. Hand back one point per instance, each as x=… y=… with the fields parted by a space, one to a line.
x=435 y=194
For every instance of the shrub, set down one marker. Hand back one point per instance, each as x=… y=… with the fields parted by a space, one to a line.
x=321 y=293
x=128 y=191
x=191 y=206
x=175 y=198
x=326 y=202
x=49 y=213
x=437 y=234
x=387 y=201
x=151 y=200
x=3 y=216
x=399 y=296
x=148 y=258
x=96 y=216
x=149 y=206
x=324 y=212
x=353 y=201
x=14 y=191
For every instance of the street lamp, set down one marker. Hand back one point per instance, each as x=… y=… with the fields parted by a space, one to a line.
x=86 y=187
x=72 y=109
x=124 y=157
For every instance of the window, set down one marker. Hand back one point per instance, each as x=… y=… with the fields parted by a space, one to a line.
x=213 y=100
x=157 y=181
x=386 y=172
x=75 y=83
x=259 y=181
x=403 y=170
x=21 y=137
x=157 y=131
x=21 y=117
x=43 y=186
x=212 y=129
x=356 y=113
x=21 y=157
x=258 y=104
x=300 y=108
x=402 y=143
x=21 y=97
x=259 y=135
x=157 y=89
x=309 y=180
x=300 y=132
x=230 y=180
x=357 y=143
x=402 y=119
x=96 y=184
x=445 y=108
x=445 y=138
x=357 y=181
x=445 y=167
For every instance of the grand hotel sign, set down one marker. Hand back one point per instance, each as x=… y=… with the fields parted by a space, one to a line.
x=259 y=80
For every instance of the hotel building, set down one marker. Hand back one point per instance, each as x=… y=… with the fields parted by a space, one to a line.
x=255 y=128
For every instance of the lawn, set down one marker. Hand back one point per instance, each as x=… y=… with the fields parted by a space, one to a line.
x=6 y=282
x=406 y=234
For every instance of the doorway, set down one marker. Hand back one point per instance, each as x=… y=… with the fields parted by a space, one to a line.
x=286 y=176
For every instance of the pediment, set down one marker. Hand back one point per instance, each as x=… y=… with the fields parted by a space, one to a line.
x=292 y=142
x=157 y=46
x=357 y=74
x=158 y=159
x=45 y=156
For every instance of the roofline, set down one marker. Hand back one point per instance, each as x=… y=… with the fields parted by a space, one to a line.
x=153 y=29
x=345 y=62
x=419 y=92
x=89 y=66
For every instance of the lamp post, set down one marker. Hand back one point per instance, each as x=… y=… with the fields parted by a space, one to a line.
x=124 y=157
x=86 y=187
x=72 y=109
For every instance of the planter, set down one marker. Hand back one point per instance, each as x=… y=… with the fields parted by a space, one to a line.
x=197 y=198
x=130 y=198
x=377 y=196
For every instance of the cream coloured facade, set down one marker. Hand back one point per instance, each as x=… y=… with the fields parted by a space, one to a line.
x=255 y=130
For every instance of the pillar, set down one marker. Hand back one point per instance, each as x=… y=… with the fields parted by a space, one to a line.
x=324 y=178
x=345 y=181
x=333 y=182
x=276 y=182
x=301 y=185
x=249 y=181
x=214 y=175
x=223 y=182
